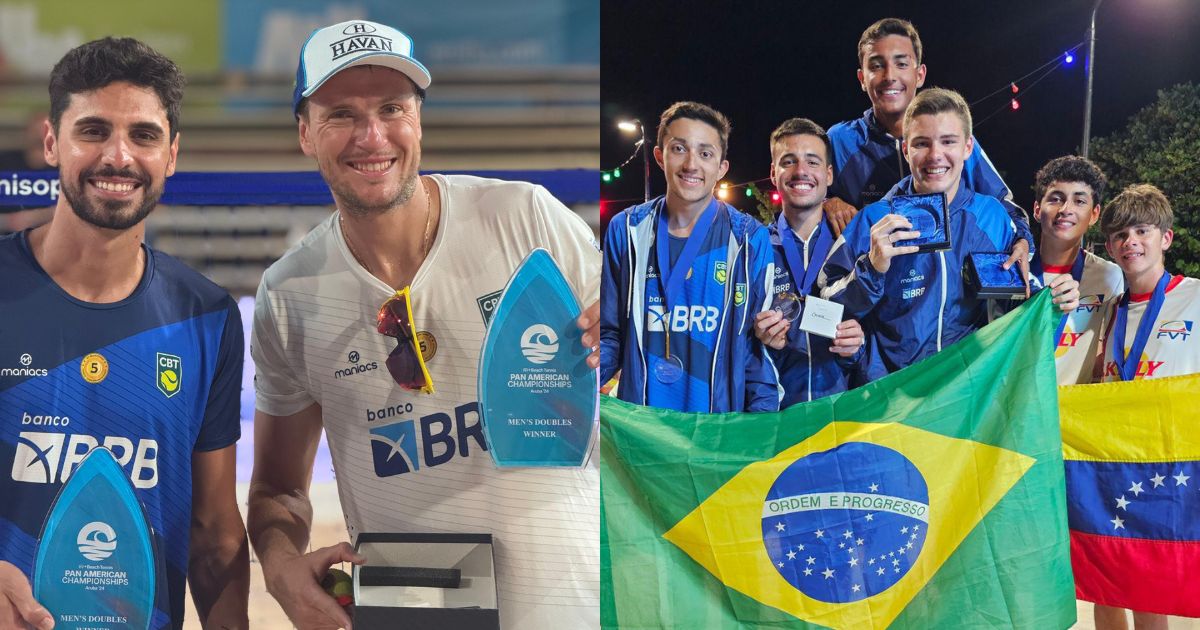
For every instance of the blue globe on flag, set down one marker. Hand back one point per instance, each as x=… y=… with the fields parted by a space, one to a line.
x=846 y=524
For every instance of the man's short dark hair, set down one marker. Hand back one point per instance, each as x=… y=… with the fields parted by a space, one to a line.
x=802 y=127
x=97 y=64
x=1070 y=168
x=696 y=111
x=885 y=27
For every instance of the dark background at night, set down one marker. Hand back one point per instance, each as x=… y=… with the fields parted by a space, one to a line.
x=763 y=62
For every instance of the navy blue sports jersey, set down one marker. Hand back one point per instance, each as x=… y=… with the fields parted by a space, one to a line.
x=153 y=377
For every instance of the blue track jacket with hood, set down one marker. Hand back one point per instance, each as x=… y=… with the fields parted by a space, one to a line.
x=867 y=162
x=807 y=369
x=741 y=375
x=920 y=305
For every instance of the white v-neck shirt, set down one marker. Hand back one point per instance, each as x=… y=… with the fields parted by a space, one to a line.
x=413 y=462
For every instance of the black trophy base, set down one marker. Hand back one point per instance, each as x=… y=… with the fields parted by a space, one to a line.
x=986 y=278
x=425 y=582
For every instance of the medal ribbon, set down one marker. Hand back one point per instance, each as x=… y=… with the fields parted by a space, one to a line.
x=672 y=276
x=1127 y=365
x=1035 y=268
x=803 y=276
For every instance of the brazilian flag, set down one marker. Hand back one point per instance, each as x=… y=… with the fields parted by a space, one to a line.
x=931 y=498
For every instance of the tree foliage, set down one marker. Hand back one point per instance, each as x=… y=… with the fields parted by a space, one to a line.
x=1161 y=146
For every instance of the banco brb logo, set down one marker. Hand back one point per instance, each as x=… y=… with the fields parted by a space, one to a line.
x=539 y=343
x=97 y=541
x=845 y=524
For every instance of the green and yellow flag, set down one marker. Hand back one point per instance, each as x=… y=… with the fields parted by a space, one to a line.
x=930 y=498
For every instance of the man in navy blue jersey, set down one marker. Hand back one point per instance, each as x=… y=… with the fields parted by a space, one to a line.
x=682 y=277
x=810 y=366
x=868 y=159
x=106 y=342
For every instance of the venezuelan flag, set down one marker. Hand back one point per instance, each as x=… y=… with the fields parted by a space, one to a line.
x=1132 y=454
x=931 y=498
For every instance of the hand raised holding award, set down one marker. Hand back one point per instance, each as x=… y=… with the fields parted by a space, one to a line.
x=538 y=396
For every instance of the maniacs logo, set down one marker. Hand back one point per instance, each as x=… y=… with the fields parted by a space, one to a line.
x=97 y=541
x=356 y=368
x=1177 y=330
x=52 y=457
x=25 y=360
x=845 y=524
x=170 y=371
x=913 y=276
x=408 y=445
x=359 y=41
x=539 y=344
x=487 y=306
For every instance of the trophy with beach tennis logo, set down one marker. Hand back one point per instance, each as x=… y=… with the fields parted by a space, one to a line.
x=95 y=565
x=537 y=396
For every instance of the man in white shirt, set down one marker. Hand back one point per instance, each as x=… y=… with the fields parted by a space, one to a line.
x=444 y=247
x=1151 y=324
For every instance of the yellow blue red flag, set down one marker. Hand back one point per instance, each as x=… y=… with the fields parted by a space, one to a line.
x=1132 y=452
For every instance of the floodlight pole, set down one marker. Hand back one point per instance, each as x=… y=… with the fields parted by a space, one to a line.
x=645 y=160
x=1091 y=63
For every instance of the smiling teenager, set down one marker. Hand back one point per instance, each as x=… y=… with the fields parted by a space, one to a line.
x=911 y=304
x=683 y=275
x=1068 y=191
x=868 y=160
x=97 y=311
x=1149 y=331
x=810 y=366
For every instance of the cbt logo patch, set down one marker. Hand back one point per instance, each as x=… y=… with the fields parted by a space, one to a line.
x=487 y=306
x=739 y=294
x=394 y=448
x=539 y=343
x=846 y=524
x=97 y=541
x=721 y=271
x=170 y=371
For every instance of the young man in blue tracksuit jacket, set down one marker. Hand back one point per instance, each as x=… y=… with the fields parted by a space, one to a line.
x=914 y=304
x=867 y=154
x=810 y=366
x=683 y=276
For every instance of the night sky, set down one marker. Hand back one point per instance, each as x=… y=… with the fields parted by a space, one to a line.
x=763 y=62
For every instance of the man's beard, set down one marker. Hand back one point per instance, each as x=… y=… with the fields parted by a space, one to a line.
x=109 y=215
x=350 y=202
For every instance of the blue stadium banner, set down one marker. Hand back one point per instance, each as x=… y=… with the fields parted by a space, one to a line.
x=38 y=189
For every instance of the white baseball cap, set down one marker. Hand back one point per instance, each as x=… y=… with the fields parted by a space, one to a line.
x=334 y=48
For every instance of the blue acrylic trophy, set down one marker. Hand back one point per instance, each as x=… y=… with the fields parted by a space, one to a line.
x=537 y=396
x=95 y=565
